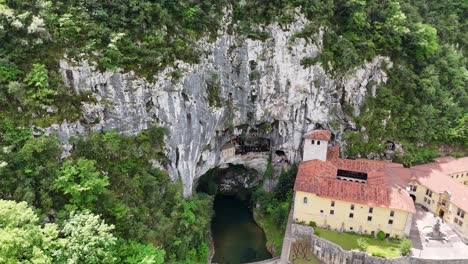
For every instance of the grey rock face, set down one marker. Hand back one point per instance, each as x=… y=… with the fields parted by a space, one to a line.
x=264 y=81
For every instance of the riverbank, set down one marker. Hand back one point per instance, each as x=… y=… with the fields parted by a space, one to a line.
x=274 y=235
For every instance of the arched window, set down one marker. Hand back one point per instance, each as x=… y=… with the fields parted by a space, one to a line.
x=318 y=142
x=305 y=200
x=312 y=142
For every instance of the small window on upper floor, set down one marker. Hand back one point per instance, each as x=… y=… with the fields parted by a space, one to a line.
x=371 y=210
x=369 y=218
x=460 y=213
x=392 y=213
x=390 y=222
x=312 y=142
x=318 y=142
x=305 y=200
x=351 y=215
x=332 y=203
x=352 y=207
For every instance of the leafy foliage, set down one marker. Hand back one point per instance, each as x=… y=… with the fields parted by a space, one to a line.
x=82 y=182
x=405 y=247
x=362 y=244
x=21 y=237
x=87 y=239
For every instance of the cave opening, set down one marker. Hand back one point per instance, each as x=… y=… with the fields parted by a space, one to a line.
x=236 y=236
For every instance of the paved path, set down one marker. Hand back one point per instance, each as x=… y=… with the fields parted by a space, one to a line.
x=287 y=239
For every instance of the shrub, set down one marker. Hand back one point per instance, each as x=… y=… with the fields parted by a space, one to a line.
x=381 y=235
x=362 y=244
x=405 y=247
x=378 y=254
x=316 y=232
x=312 y=224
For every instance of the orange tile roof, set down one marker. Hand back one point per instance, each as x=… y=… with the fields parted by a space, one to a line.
x=318 y=135
x=432 y=179
x=446 y=165
x=319 y=177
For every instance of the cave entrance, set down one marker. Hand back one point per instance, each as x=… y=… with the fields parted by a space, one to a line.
x=236 y=236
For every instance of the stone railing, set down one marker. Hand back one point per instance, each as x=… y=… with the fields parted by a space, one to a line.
x=330 y=253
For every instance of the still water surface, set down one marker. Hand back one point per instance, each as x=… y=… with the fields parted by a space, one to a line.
x=237 y=238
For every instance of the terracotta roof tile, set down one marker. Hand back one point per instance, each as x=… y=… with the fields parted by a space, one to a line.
x=318 y=135
x=320 y=177
x=446 y=165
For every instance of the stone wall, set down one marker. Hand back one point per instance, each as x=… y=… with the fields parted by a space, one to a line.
x=330 y=253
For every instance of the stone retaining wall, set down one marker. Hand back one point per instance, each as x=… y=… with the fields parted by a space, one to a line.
x=330 y=253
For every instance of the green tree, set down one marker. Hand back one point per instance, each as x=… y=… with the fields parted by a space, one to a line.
x=362 y=244
x=405 y=247
x=22 y=240
x=85 y=238
x=132 y=252
x=32 y=170
x=38 y=82
x=82 y=182
x=425 y=40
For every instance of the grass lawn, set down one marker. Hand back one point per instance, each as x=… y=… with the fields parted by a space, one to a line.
x=348 y=241
x=274 y=235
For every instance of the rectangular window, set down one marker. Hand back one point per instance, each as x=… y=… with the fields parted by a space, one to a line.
x=392 y=213
x=313 y=141
x=352 y=207
x=369 y=218
x=332 y=203
x=371 y=210
x=321 y=211
x=429 y=193
x=425 y=199
x=351 y=215
x=460 y=223
x=390 y=222
x=318 y=142
x=413 y=188
x=332 y=212
x=455 y=220
x=460 y=213
x=305 y=200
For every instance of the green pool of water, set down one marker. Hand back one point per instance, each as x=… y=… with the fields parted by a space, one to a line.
x=237 y=238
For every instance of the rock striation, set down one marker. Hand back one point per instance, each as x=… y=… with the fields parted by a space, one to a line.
x=262 y=88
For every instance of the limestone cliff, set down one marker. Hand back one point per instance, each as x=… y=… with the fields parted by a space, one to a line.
x=262 y=86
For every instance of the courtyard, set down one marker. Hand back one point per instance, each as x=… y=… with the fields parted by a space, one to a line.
x=425 y=245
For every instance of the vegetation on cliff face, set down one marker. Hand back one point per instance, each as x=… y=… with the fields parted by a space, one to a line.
x=109 y=177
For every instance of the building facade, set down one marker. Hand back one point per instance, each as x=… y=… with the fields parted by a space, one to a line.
x=368 y=196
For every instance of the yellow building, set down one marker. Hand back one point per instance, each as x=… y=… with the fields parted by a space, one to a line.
x=441 y=188
x=368 y=196
x=350 y=195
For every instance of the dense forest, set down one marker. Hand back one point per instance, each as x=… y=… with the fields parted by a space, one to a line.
x=106 y=203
